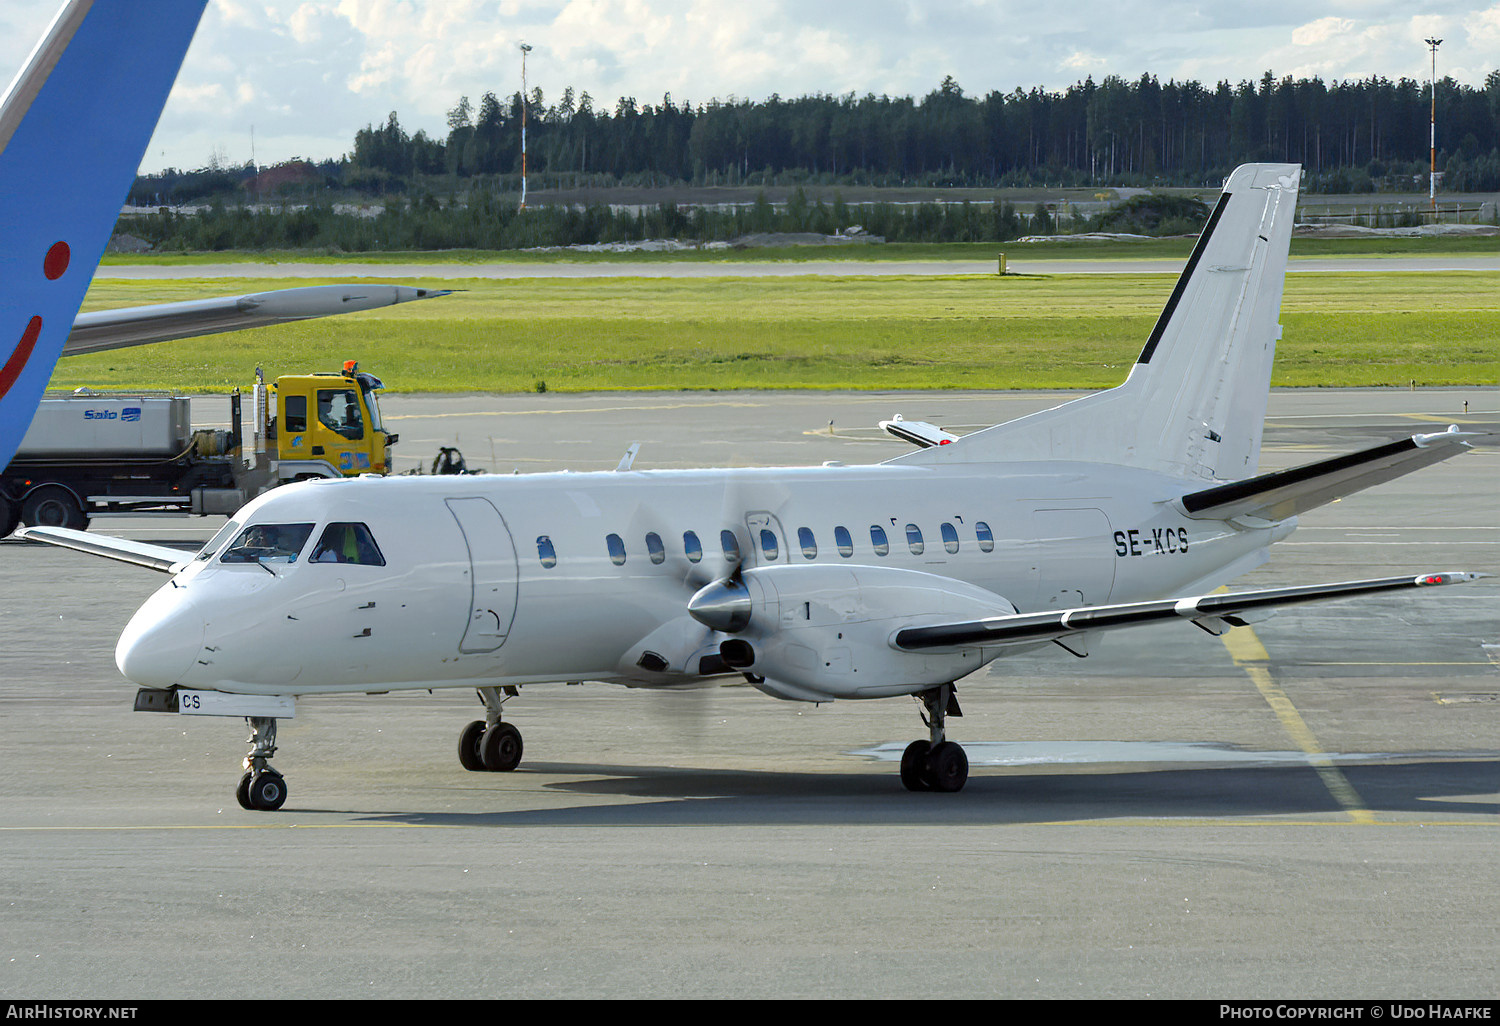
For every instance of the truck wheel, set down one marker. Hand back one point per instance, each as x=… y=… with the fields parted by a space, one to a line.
x=10 y=516
x=53 y=506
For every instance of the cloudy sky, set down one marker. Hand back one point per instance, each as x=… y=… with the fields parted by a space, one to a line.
x=307 y=74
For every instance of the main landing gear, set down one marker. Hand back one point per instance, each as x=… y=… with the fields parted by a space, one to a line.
x=261 y=787
x=936 y=764
x=491 y=744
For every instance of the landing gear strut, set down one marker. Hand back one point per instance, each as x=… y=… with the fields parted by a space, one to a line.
x=261 y=787
x=491 y=744
x=936 y=764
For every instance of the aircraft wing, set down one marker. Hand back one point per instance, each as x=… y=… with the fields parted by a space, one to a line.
x=133 y=326
x=1213 y=613
x=152 y=557
x=1286 y=493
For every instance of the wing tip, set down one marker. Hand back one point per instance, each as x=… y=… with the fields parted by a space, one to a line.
x=1449 y=577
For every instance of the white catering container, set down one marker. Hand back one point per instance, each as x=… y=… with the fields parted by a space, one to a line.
x=108 y=425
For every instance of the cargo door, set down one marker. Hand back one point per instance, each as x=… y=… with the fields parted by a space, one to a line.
x=492 y=573
x=1075 y=557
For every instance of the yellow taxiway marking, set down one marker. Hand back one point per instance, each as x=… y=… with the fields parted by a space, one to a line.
x=1251 y=656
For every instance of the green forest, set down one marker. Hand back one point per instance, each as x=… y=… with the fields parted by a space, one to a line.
x=1362 y=136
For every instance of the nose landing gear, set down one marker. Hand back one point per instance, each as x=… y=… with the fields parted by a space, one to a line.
x=261 y=788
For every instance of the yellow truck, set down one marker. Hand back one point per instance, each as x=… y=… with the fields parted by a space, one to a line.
x=90 y=454
x=328 y=425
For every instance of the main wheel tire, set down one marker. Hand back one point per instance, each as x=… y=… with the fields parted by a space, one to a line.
x=914 y=766
x=267 y=791
x=242 y=792
x=53 y=506
x=947 y=766
x=469 y=754
x=501 y=748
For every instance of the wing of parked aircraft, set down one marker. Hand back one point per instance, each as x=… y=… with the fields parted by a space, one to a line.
x=99 y=330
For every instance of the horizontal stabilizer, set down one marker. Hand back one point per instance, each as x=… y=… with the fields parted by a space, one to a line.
x=918 y=432
x=139 y=325
x=153 y=557
x=1286 y=493
x=1026 y=628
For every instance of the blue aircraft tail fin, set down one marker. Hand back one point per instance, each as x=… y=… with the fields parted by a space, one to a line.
x=74 y=125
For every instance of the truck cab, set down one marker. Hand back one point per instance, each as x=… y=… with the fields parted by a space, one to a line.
x=332 y=418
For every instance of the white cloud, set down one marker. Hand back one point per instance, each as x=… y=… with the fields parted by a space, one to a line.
x=1320 y=31
x=1080 y=61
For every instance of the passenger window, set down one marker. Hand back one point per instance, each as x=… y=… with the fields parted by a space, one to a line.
x=986 y=540
x=296 y=414
x=347 y=543
x=691 y=546
x=338 y=411
x=843 y=541
x=654 y=548
x=950 y=537
x=877 y=538
x=223 y=535
x=616 y=550
x=268 y=543
x=730 y=545
x=808 y=543
x=768 y=544
x=545 y=552
x=914 y=539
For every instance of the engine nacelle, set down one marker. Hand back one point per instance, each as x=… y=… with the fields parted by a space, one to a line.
x=826 y=630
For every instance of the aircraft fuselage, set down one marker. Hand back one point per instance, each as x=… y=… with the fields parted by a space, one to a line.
x=505 y=580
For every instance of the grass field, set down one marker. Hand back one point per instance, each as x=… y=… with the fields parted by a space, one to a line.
x=961 y=332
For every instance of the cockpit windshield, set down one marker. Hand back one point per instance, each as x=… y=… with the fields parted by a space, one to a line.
x=268 y=543
x=220 y=537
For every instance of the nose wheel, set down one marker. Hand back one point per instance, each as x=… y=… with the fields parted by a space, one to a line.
x=261 y=789
x=490 y=744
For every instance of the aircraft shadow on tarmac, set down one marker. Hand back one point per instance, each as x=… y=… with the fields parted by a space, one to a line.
x=1437 y=789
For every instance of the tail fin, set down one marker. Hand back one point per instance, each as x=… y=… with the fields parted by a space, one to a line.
x=73 y=127
x=1195 y=400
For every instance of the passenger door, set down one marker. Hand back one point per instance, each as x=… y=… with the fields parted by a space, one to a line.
x=492 y=572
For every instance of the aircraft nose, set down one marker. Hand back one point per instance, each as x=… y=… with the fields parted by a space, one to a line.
x=161 y=642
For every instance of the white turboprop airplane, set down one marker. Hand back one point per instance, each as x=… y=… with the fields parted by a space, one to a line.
x=1122 y=508
x=73 y=125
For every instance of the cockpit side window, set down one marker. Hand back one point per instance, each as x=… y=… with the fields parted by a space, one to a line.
x=268 y=543
x=224 y=534
x=347 y=543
